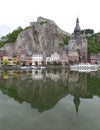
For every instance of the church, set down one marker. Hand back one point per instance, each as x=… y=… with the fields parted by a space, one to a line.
x=77 y=45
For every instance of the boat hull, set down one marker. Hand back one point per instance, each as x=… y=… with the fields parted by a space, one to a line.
x=84 y=67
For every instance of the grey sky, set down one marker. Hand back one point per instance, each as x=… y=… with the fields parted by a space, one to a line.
x=14 y=13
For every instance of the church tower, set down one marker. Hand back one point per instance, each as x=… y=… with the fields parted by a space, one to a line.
x=78 y=43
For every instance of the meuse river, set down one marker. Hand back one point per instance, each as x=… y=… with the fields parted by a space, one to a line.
x=49 y=100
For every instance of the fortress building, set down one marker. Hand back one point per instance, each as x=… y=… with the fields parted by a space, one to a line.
x=78 y=43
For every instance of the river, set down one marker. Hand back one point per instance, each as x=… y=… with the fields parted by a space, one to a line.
x=49 y=100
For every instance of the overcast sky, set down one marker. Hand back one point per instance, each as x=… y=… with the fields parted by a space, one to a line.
x=14 y=13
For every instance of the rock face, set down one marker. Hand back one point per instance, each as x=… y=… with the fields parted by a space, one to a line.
x=42 y=36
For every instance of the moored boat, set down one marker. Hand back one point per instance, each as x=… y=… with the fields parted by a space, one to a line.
x=84 y=67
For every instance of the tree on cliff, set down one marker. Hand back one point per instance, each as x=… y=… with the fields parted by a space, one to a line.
x=11 y=37
x=94 y=43
x=87 y=31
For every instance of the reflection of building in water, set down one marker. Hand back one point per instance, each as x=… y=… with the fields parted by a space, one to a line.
x=76 y=101
x=64 y=75
x=1 y=77
x=9 y=74
x=53 y=76
x=95 y=74
x=37 y=74
x=78 y=88
x=73 y=77
x=77 y=80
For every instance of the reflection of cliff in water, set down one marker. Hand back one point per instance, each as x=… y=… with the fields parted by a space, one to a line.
x=41 y=94
x=44 y=89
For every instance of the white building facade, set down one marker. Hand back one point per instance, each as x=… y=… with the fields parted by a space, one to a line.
x=48 y=60
x=55 y=57
x=37 y=59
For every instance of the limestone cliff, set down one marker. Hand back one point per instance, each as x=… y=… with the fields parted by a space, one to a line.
x=41 y=36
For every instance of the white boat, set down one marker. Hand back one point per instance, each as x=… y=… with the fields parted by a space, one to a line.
x=38 y=67
x=84 y=67
x=25 y=67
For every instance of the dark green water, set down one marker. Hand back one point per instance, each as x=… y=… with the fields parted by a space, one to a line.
x=49 y=100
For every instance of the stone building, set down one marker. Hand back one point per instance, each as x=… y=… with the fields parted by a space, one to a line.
x=73 y=57
x=78 y=43
x=63 y=57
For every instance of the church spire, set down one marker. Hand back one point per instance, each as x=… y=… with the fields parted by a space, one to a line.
x=77 y=21
x=77 y=29
x=77 y=103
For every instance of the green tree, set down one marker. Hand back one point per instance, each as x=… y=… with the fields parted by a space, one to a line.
x=65 y=39
x=87 y=31
x=93 y=43
x=5 y=62
x=11 y=37
x=1 y=44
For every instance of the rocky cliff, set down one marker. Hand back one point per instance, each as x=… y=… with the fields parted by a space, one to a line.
x=41 y=36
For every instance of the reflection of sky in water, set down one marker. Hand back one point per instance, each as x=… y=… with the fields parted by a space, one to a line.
x=16 y=116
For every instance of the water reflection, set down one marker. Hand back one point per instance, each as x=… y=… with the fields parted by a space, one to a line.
x=43 y=89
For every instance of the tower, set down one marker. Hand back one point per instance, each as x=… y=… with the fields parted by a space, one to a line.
x=78 y=43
